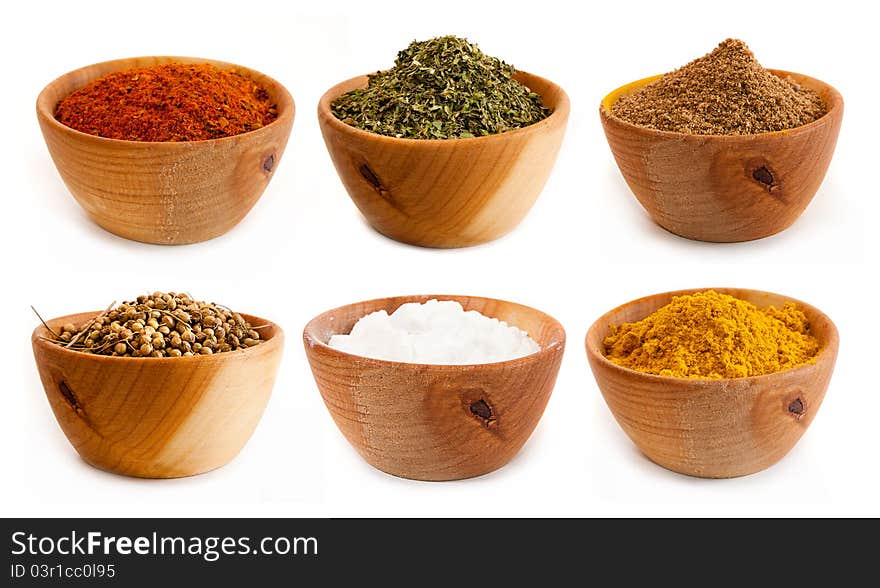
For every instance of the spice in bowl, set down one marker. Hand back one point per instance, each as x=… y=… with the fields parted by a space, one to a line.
x=713 y=335
x=160 y=325
x=443 y=88
x=436 y=332
x=726 y=92
x=168 y=103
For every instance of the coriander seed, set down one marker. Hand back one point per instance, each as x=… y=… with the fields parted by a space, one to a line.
x=159 y=325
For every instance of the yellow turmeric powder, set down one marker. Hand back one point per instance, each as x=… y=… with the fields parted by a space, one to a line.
x=713 y=335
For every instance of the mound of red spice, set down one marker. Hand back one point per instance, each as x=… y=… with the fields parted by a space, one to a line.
x=171 y=102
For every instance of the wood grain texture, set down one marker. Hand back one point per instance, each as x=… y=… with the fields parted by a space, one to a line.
x=713 y=428
x=725 y=188
x=158 y=417
x=446 y=193
x=435 y=422
x=165 y=193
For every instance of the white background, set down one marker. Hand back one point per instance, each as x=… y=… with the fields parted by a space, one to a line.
x=586 y=247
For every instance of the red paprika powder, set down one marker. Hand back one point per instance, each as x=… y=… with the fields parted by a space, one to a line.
x=171 y=102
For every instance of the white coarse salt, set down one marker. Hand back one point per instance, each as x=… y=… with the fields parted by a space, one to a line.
x=436 y=332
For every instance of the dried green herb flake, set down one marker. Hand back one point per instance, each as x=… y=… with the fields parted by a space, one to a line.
x=443 y=88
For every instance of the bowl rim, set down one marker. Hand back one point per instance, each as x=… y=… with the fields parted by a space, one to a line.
x=276 y=341
x=310 y=340
x=286 y=105
x=834 y=104
x=559 y=115
x=831 y=342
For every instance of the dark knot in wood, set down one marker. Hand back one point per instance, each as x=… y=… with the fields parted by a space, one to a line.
x=69 y=396
x=370 y=176
x=763 y=176
x=481 y=410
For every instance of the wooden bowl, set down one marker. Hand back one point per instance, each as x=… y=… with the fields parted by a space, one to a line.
x=171 y=192
x=435 y=422
x=725 y=188
x=719 y=428
x=445 y=193
x=158 y=417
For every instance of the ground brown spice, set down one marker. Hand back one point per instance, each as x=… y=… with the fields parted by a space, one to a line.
x=726 y=92
x=171 y=102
